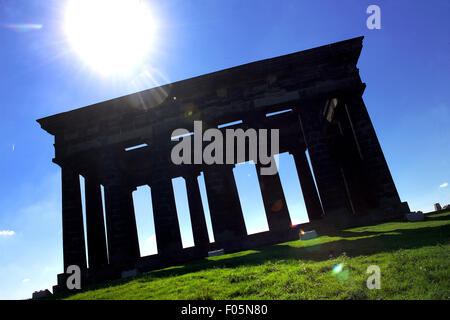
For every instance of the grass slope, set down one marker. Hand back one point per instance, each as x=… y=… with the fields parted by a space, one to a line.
x=413 y=258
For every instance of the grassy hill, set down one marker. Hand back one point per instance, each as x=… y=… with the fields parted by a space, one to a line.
x=414 y=258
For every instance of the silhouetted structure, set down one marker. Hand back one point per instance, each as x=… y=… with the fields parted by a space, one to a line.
x=321 y=91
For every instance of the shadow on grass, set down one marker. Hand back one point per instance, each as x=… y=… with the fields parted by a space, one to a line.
x=353 y=243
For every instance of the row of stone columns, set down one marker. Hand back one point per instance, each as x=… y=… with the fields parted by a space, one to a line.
x=223 y=199
x=123 y=247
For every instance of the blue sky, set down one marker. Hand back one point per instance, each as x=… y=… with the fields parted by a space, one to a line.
x=406 y=67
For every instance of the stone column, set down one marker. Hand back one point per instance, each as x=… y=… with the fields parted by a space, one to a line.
x=123 y=245
x=198 y=221
x=310 y=196
x=381 y=185
x=74 y=248
x=167 y=229
x=327 y=174
x=277 y=212
x=95 y=226
x=225 y=208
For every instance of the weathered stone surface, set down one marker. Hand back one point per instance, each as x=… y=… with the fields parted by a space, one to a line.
x=225 y=208
x=198 y=221
x=123 y=245
x=130 y=273
x=312 y=201
x=415 y=216
x=74 y=251
x=275 y=204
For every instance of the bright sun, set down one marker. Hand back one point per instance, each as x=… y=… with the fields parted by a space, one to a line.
x=111 y=36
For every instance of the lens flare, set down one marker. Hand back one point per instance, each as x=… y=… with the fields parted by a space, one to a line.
x=341 y=273
x=337 y=268
x=24 y=27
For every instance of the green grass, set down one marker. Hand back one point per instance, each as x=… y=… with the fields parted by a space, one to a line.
x=414 y=259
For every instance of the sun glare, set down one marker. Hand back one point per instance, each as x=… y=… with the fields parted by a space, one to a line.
x=110 y=35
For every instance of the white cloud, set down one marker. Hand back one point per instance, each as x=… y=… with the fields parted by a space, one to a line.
x=443 y=185
x=6 y=233
x=26 y=280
